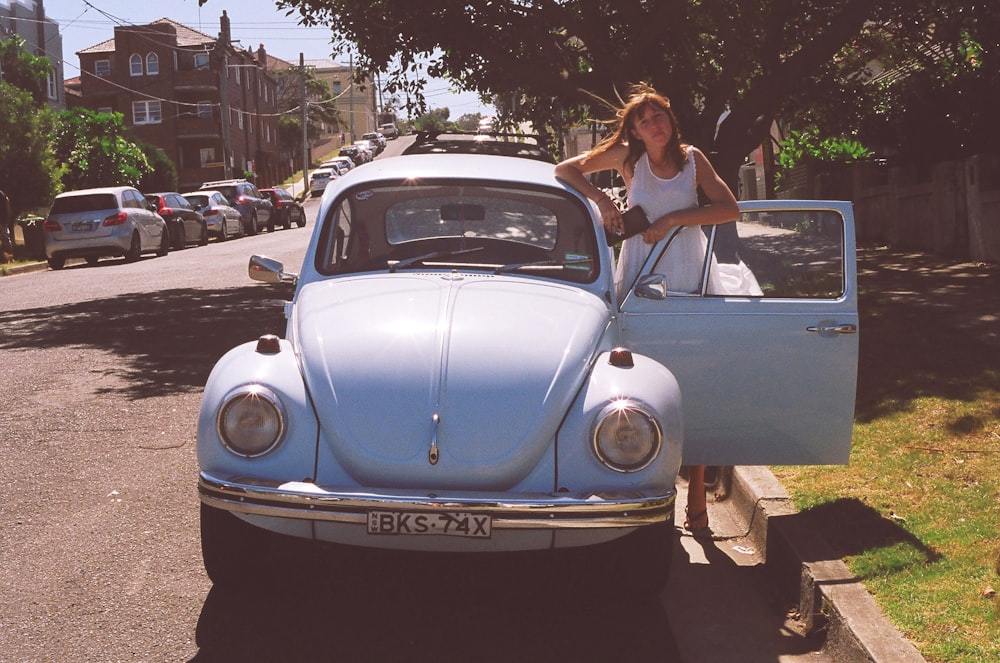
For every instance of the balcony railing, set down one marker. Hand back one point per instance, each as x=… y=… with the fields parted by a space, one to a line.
x=203 y=80
x=197 y=127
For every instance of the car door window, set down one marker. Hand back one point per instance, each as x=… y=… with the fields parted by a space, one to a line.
x=793 y=254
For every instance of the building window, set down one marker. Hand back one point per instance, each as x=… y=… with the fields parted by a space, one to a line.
x=152 y=64
x=104 y=110
x=206 y=155
x=201 y=60
x=205 y=109
x=237 y=68
x=53 y=88
x=135 y=65
x=239 y=119
x=102 y=68
x=146 y=112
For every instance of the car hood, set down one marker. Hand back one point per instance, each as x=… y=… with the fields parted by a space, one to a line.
x=480 y=370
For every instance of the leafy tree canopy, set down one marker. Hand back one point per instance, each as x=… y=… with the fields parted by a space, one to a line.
x=761 y=59
x=24 y=70
x=96 y=150
x=27 y=165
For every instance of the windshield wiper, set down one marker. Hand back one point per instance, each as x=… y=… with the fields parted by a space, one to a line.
x=403 y=264
x=514 y=266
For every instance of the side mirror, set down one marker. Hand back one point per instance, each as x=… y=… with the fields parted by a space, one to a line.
x=652 y=286
x=268 y=270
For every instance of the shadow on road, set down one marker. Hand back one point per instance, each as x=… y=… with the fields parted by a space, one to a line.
x=168 y=341
x=382 y=606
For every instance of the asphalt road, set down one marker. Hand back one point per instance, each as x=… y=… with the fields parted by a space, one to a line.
x=101 y=369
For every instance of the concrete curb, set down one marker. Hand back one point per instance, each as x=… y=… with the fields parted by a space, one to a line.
x=801 y=563
x=24 y=269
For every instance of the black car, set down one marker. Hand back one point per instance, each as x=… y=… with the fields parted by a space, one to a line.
x=255 y=208
x=286 y=209
x=185 y=224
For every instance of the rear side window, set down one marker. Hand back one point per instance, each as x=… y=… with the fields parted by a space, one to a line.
x=197 y=200
x=85 y=203
x=228 y=191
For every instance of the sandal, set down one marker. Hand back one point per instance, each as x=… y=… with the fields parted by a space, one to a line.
x=691 y=519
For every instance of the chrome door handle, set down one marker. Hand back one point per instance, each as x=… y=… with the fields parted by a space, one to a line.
x=834 y=329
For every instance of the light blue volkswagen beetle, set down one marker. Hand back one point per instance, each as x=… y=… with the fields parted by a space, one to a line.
x=459 y=374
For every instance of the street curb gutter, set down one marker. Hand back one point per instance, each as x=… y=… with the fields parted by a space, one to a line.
x=801 y=563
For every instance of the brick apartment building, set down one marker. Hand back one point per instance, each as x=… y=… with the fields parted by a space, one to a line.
x=194 y=96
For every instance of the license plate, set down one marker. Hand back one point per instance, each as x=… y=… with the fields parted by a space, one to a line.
x=82 y=226
x=445 y=523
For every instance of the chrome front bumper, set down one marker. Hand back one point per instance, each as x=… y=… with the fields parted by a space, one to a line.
x=302 y=500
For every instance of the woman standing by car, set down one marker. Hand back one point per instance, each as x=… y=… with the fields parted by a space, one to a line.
x=662 y=176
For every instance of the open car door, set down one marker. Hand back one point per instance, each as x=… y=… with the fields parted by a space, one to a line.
x=765 y=348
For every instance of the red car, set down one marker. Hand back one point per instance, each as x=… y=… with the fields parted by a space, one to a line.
x=286 y=209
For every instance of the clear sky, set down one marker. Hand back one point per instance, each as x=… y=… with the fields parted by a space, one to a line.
x=84 y=23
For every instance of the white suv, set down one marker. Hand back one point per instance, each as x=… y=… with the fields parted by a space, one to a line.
x=110 y=221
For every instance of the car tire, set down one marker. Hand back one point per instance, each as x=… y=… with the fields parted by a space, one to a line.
x=223 y=233
x=287 y=223
x=91 y=260
x=636 y=565
x=232 y=550
x=164 y=245
x=56 y=263
x=203 y=240
x=301 y=223
x=179 y=237
x=650 y=551
x=252 y=226
x=135 y=248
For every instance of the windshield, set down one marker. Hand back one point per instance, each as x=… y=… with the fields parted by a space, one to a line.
x=465 y=226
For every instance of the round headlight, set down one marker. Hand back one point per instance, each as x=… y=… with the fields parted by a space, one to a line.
x=251 y=420
x=626 y=436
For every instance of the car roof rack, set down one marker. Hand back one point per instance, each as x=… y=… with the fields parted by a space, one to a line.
x=473 y=142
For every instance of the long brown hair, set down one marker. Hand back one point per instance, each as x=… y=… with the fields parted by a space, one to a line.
x=640 y=97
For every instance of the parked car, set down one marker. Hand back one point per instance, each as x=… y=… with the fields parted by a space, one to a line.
x=318 y=179
x=287 y=210
x=342 y=165
x=110 y=221
x=356 y=153
x=377 y=140
x=459 y=373
x=255 y=210
x=223 y=220
x=368 y=148
x=184 y=223
x=389 y=131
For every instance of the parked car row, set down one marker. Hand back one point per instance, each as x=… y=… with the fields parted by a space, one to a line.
x=122 y=222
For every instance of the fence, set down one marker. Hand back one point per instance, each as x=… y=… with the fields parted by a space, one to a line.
x=951 y=209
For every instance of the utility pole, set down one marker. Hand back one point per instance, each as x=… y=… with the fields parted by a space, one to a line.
x=222 y=51
x=350 y=98
x=305 y=133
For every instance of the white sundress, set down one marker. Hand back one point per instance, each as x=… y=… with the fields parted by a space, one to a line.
x=684 y=259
